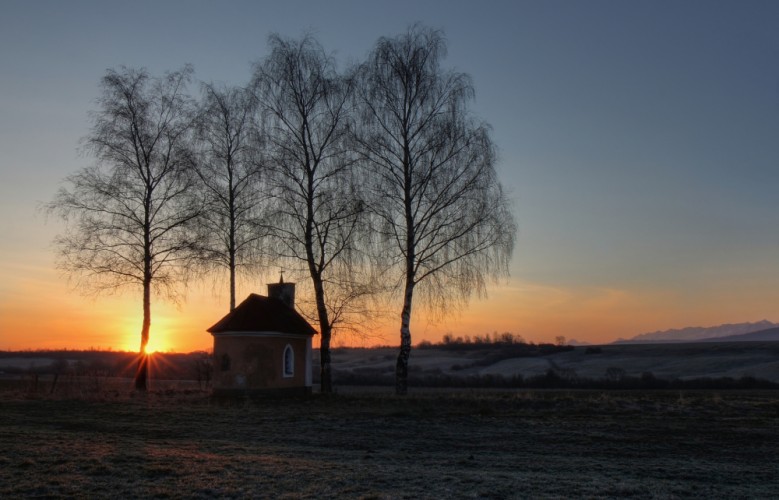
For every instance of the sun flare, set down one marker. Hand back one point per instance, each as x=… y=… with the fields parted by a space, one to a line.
x=161 y=338
x=155 y=346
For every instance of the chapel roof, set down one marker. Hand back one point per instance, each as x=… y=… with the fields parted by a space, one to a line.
x=263 y=314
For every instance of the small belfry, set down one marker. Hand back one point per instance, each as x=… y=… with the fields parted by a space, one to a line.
x=263 y=345
x=285 y=292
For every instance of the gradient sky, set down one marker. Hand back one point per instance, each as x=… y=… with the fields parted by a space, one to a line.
x=639 y=142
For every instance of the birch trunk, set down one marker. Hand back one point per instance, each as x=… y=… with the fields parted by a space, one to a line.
x=325 y=331
x=401 y=368
x=142 y=373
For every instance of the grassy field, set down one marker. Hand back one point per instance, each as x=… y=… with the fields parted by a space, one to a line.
x=373 y=445
x=666 y=361
x=376 y=366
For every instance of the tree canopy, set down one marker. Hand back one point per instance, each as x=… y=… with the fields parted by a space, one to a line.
x=131 y=218
x=375 y=179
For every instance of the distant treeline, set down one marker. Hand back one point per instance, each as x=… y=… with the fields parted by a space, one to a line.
x=507 y=338
x=505 y=342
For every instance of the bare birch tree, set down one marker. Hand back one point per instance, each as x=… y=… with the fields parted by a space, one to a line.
x=129 y=217
x=441 y=216
x=317 y=209
x=230 y=169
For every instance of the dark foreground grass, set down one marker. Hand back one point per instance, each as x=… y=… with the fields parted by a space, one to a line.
x=466 y=445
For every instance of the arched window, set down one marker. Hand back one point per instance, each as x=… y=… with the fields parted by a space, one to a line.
x=225 y=362
x=288 y=362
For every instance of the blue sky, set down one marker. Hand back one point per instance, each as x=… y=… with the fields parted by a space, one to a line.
x=639 y=140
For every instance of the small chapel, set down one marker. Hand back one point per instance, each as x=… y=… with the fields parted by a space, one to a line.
x=263 y=345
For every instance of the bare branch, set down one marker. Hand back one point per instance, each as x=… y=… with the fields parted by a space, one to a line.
x=316 y=209
x=131 y=216
x=437 y=206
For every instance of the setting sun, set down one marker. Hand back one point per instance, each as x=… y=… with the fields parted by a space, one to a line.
x=165 y=333
x=156 y=344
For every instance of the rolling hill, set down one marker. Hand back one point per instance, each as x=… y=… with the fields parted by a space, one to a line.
x=664 y=360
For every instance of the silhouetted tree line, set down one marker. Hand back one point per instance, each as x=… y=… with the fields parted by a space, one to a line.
x=376 y=183
x=498 y=346
x=505 y=338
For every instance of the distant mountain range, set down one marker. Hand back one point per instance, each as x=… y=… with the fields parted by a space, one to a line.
x=738 y=332
x=769 y=335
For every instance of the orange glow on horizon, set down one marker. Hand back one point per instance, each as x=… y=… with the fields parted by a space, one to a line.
x=152 y=348
x=43 y=313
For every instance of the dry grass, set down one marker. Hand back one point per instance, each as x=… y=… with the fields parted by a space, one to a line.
x=666 y=361
x=372 y=445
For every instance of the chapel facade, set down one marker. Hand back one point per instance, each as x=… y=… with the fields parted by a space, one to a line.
x=263 y=345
